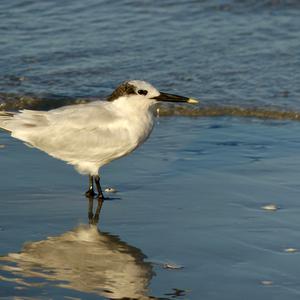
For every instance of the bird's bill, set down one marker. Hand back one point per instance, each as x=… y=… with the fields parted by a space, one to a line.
x=174 y=98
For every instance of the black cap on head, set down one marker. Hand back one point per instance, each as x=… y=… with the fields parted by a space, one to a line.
x=123 y=89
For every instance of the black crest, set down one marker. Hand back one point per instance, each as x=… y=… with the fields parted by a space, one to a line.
x=122 y=90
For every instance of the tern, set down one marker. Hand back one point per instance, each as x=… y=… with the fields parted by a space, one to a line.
x=91 y=135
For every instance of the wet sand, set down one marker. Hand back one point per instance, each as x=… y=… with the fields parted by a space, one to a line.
x=190 y=198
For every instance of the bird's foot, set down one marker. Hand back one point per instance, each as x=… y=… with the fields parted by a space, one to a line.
x=90 y=193
x=102 y=197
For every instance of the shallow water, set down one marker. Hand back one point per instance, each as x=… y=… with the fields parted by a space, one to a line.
x=191 y=198
x=187 y=221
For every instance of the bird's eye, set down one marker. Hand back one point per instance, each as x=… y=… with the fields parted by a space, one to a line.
x=142 y=92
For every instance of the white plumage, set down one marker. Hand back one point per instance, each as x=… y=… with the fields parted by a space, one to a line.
x=91 y=135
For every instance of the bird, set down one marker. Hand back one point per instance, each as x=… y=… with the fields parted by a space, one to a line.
x=91 y=135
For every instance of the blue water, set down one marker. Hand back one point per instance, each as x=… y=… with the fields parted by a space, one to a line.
x=192 y=196
x=245 y=53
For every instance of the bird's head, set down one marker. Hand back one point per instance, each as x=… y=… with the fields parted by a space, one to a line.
x=144 y=90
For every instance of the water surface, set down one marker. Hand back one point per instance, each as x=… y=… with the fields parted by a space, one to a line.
x=191 y=198
x=230 y=52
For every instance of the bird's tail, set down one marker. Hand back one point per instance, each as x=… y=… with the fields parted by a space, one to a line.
x=5 y=119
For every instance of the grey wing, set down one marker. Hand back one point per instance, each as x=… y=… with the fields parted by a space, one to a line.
x=12 y=121
x=86 y=131
x=28 y=123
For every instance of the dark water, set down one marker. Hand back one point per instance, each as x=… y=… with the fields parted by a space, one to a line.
x=240 y=53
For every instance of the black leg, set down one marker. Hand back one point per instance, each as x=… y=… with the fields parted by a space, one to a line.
x=97 y=181
x=90 y=192
x=94 y=218
x=90 y=211
x=98 y=210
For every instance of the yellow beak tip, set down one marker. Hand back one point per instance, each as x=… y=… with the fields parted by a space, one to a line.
x=192 y=101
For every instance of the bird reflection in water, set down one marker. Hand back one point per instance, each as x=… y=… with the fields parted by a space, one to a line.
x=84 y=259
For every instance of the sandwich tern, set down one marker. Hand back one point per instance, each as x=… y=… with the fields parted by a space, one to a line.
x=89 y=136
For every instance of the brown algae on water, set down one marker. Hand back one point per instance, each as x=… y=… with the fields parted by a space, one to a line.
x=10 y=101
x=233 y=111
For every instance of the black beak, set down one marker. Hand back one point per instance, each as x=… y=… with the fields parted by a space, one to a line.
x=174 y=98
